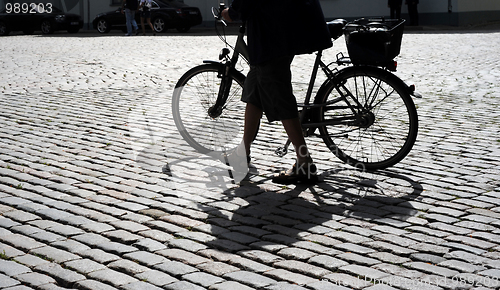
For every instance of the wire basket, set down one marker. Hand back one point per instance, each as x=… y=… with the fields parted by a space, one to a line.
x=374 y=41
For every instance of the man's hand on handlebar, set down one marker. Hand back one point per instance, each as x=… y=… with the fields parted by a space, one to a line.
x=225 y=15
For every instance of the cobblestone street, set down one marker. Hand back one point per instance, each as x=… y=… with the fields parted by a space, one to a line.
x=86 y=203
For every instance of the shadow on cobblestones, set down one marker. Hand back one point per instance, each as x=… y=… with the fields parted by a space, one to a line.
x=258 y=217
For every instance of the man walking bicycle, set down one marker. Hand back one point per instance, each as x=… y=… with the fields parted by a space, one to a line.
x=276 y=32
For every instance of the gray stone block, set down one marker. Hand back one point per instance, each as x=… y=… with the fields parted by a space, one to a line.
x=114 y=278
x=34 y=279
x=250 y=279
x=146 y=258
x=54 y=254
x=84 y=266
x=11 y=268
x=90 y=284
x=204 y=279
x=183 y=285
x=156 y=277
x=174 y=268
x=6 y=281
x=64 y=277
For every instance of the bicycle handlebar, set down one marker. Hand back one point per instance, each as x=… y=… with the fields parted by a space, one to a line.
x=217 y=12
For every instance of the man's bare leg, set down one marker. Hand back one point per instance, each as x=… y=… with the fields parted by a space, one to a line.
x=294 y=131
x=253 y=114
x=304 y=170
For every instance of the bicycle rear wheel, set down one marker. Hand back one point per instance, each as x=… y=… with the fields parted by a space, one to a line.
x=374 y=120
x=195 y=93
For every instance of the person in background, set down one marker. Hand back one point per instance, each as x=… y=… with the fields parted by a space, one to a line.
x=130 y=9
x=395 y=8
x=277 y=31
x=413 y=11
x=145 y=7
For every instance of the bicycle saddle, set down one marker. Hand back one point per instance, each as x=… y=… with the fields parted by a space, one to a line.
x=336 y=27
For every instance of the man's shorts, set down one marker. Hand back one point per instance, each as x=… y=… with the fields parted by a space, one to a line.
x=269 y=87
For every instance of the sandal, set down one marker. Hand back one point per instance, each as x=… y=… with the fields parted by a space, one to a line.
x=304 y=173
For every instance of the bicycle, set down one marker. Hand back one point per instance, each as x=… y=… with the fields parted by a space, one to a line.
x=364 y=113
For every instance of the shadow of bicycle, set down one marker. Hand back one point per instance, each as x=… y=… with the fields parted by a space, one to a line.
x=299 y=222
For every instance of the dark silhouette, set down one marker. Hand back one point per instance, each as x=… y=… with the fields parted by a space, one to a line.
x=273 y=41
x=145 y=7
x=413 y=11
x=395 y=7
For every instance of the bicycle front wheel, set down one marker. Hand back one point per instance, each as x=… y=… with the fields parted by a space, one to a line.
x=195 y=95
x=372 y=119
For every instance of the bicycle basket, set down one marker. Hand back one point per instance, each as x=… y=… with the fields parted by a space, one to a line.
x=374 y=41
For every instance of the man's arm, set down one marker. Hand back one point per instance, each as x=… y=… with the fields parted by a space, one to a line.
x=235 y=11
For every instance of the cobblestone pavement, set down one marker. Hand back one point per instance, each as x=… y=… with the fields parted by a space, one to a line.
x=85 y=201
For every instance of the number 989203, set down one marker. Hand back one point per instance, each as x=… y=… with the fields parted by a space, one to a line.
x=26 y=8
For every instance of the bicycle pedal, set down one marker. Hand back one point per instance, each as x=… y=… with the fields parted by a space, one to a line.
x=281 y=151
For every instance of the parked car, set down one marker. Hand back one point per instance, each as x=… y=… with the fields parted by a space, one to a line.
x=164 y=15
x=32 y=17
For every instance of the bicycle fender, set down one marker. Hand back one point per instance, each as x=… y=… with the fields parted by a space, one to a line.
x=384 y=73
x=233 y=70
x=220 y=66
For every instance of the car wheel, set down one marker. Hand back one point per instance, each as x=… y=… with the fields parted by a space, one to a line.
x=46 y=27
x=103 y=26
x=73 y=30
x=183 y=29
x=159 y=25
x=4 y=30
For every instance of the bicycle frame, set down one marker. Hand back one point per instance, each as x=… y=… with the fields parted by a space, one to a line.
x=318 y=63
x=241 y=49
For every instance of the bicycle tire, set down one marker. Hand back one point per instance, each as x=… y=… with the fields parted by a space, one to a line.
x=385 y=127
x=195 y=92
